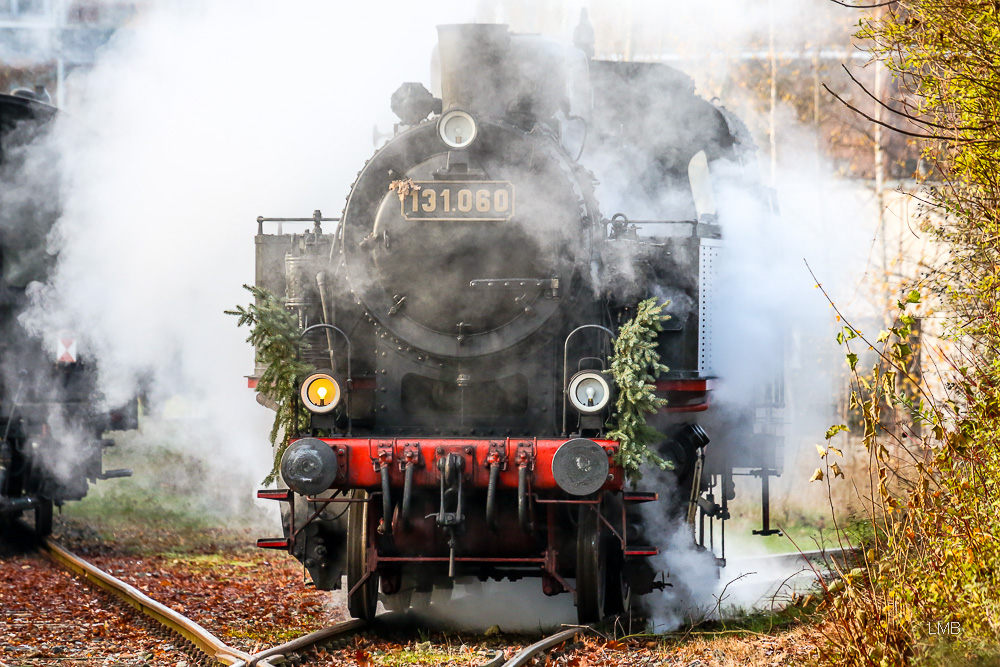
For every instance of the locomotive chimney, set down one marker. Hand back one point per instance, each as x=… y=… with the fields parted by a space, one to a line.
x=473 y=72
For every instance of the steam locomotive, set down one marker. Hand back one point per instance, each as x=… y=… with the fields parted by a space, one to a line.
x=460 y=317
x=51 y=422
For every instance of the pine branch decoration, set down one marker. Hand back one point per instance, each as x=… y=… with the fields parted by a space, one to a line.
x=635 y=366
x=275 y=333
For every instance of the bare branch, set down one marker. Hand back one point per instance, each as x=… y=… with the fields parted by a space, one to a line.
x=911 y=118
x=961 y=140
x=881 y=4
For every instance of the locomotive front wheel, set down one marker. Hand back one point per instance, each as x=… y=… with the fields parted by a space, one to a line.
x=618 y=595
x=362 y=602
x=591 y=565
x=43 y=517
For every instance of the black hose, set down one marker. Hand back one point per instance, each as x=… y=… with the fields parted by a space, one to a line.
x=404 y=512
x=491 y=497
x=386 y=501
x=522 y=499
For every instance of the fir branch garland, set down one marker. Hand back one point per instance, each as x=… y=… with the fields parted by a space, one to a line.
x=635 y=365
x=275 y=333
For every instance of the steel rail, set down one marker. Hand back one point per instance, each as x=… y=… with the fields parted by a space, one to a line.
x=496 y=661
x=797 y=557
x=202 y=639
x=306 y=641
x=526 y=654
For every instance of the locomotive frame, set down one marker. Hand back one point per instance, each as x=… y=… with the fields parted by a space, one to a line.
x=465 y=354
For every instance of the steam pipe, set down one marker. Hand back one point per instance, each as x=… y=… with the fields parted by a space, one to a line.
x=404 y=512
x=470 y=75
x=491 y=496
x=327 y=319
x=522 y=498
x=695 y=489
x=386 y=500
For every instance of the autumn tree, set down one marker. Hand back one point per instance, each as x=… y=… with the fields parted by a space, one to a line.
x=934 y=561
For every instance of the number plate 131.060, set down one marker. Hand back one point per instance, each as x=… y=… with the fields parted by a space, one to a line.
x=459 y=200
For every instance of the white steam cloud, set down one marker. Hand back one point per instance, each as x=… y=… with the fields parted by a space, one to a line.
x=197 y=118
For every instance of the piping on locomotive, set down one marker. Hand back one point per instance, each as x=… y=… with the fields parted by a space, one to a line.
x=460 y=321
x=51 y=428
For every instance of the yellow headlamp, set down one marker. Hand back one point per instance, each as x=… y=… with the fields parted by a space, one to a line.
x=320 y=392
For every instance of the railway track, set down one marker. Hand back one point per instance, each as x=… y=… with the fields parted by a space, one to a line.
x=214 y=651
x=528 y=653
x=207 y=644
x=820 y=562
x=202 y=639
x=805 y=559
x=773 y=580
x=519 y=659
x=49 y=615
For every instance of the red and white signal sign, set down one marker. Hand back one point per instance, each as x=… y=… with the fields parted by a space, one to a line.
x=66 y=350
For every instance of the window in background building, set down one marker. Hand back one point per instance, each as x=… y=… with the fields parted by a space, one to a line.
x=22 y=7
x=84 y=12
x=28 y=6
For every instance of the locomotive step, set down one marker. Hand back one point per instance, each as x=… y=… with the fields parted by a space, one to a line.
x=641 y=551
x=640 y=496
x=273 y=543
x=275 y=494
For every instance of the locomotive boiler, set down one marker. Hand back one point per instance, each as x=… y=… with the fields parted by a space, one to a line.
x=51 y=419
x=459 y=320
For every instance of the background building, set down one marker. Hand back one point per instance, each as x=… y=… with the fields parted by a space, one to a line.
x=43 y=41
